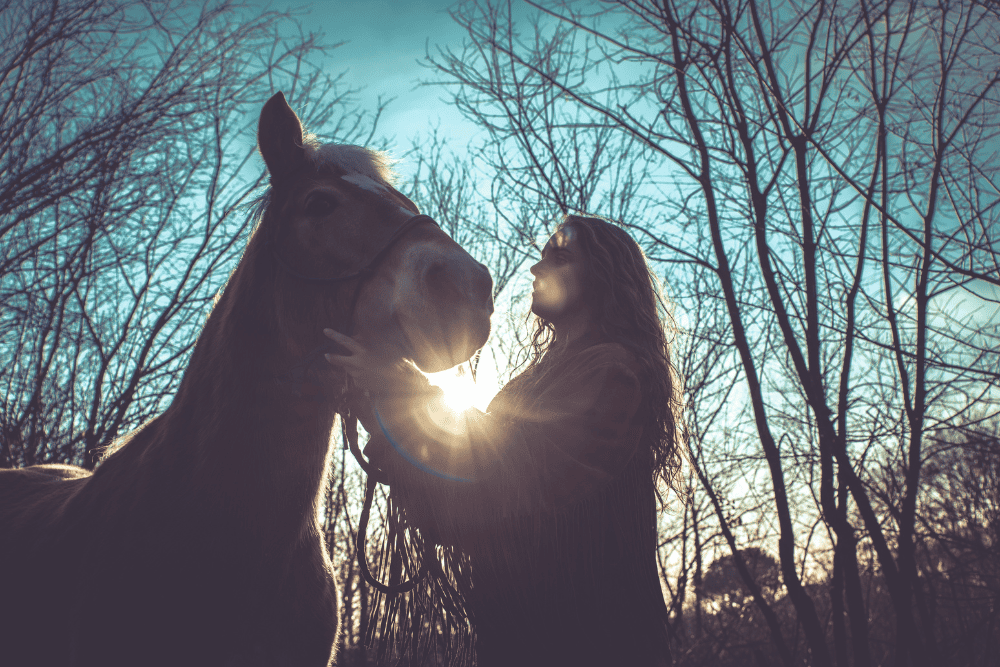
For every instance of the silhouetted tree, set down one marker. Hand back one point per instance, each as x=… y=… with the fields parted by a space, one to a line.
x=126 y=158
x=827 y=174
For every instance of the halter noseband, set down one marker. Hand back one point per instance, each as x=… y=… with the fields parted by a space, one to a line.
x=298 y=371
x=361 y=274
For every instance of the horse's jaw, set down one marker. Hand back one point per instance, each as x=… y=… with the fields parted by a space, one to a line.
x=439 y=343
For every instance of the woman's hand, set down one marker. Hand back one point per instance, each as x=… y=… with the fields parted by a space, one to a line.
x=402 y=394
x=368 y=372
x=373 y=375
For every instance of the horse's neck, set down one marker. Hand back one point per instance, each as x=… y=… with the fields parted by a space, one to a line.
x=238 y=441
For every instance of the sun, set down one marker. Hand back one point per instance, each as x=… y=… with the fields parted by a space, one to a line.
x=461 y=392
x=459 y=389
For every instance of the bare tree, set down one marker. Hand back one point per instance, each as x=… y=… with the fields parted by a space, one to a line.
x=831 y=171
x=126 y=161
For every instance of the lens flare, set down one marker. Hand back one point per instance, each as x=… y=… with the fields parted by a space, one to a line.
x=448 y=412
x=461 y=392
x=459 y=389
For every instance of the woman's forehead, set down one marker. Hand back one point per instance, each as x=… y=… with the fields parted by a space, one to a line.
x=563 y=237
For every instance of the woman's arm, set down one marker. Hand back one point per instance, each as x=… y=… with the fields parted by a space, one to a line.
x=524 y=456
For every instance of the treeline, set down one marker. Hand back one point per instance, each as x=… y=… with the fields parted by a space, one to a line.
x=816 y=184
x=718 y=619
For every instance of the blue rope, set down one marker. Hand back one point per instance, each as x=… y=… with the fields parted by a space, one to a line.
x=406 y=455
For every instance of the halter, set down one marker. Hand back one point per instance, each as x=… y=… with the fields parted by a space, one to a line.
x=350 y=422
x=367 y=268
x=297 y=372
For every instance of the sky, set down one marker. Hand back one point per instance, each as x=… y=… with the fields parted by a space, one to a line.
x=384 y=43
x=384 y=54
x=385 y=40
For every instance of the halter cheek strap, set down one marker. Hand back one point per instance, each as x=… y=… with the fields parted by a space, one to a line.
x=366 y=269
x=350 y=423
x=297 y=373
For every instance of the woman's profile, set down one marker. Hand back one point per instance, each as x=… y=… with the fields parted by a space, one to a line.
x=551 y=494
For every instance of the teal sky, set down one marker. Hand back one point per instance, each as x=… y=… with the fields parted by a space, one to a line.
x=385 y=43
x=385 y=40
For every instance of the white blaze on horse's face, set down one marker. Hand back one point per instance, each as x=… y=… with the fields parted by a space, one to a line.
x=423 y=297
x=371 y=185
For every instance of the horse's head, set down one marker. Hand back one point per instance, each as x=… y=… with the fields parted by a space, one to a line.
x=351 y=253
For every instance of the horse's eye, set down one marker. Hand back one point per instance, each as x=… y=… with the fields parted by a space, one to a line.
x=319 y=205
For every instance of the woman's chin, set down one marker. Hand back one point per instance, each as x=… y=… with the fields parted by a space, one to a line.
x=542 y=310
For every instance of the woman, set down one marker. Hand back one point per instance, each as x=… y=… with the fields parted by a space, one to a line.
x=552 y=493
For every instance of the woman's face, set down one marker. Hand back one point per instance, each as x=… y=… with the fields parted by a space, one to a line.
x=559 y=286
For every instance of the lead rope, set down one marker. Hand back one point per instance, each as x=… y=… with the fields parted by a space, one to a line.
x=377 y=476
x=374 y=475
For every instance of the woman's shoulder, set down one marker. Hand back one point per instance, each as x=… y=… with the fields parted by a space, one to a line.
x=579 y=367
x=605 y=354
x=604 y=364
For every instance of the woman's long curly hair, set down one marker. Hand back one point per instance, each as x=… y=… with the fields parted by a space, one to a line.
x=629 y=309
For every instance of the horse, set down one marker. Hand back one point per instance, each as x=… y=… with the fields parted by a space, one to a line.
x=197 y=541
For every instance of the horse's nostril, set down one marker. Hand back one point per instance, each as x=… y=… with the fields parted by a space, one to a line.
x=437 y=277
x=465 y=281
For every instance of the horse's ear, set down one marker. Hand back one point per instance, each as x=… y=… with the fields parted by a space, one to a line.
x=279 y=137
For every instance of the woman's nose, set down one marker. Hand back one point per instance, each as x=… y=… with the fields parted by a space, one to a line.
x=534 y=268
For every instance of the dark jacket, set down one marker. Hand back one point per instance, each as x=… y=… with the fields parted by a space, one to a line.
x=550 y=497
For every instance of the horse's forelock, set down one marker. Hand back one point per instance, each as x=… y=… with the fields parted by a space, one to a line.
x=353 y=159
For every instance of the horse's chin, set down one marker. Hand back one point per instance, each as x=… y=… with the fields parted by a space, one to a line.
x=435 y=363
x=433 y=352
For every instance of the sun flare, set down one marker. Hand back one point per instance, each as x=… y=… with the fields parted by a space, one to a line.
x=461 y=392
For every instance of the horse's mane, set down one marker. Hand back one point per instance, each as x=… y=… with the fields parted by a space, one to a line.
x=376 y=165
